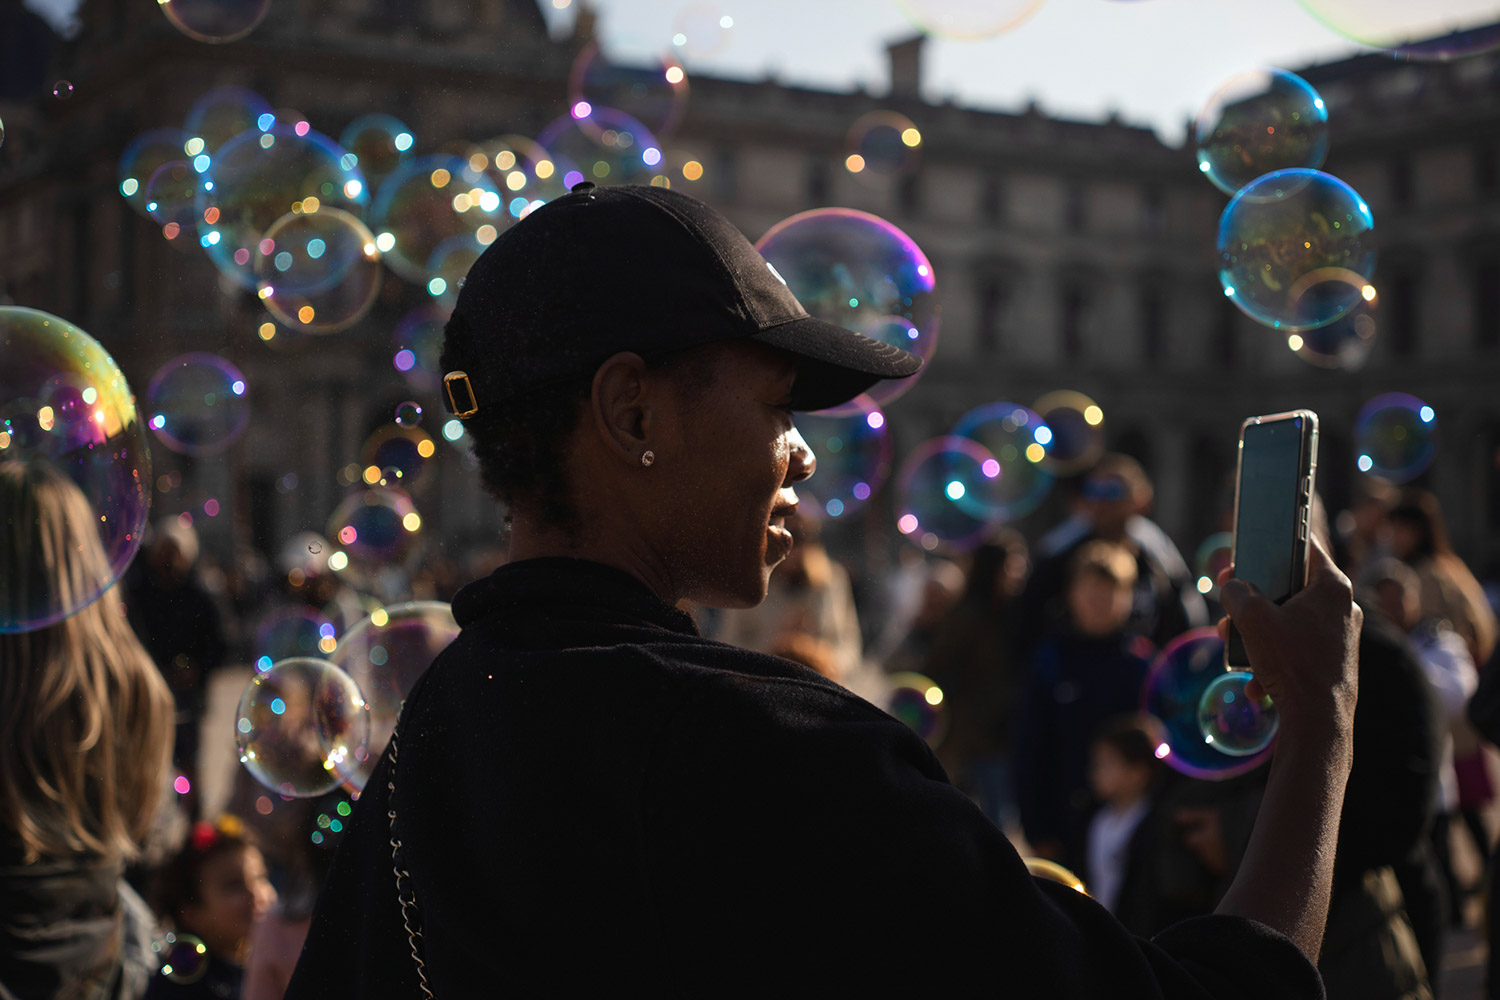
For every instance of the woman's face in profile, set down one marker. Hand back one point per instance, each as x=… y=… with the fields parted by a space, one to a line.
x=740 y=456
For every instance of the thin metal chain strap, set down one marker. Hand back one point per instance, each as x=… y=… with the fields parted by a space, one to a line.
x=410 y=917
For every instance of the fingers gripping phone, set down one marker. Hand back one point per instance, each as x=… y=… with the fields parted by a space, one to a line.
x=1278 y=462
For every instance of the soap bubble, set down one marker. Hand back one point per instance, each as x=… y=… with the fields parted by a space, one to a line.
x=294 y=630
x=62 y=90
x=2 y=133
x=222 y=114
x=604 y=146
x=409 y=413
x=882 y=142
x=1233 y=722
x=1395 y=437
x=1215 y=555
x=1173 y=693
x=1278 y=239
x=386 y=653
x=1257 y=123
x=426 y=201
x=967 y=19
x=374 y=528
x=145 y=154
x=917 y=701
x=1018 y=439
x=653 y=93
x=318 y=271
x=197 y=404
x=1077 y=426
x=258 y=178
x=701 y=30
x=398 y=453
x=67 y=415
x=449 y=265
x=1435 y=32
x=417 y=345
x=524 y=173
x=931 y=488
x=183 y=957
x=379 y=143
x=215 y=21
x=858 y=271
x=171 y=199
x=1345 y=343
x=854 y=457
x=300 y=725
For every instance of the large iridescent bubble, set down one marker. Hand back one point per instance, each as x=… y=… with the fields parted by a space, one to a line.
x=301 y=726
x=171 y=196
x=290 y=631
x=967 y=19
x=1077 y=426
x=1395 y=437
x=653 y=92
x=69 y=428
x=603 y=146
x=429 y=200
x=145 y=154
x=374 y=529
x=859 y=271
x=1174 y=692
x=1278 y=240
x=386 y=653
x=1259 y=122
x=1420 y=32
x=401 y=455
x=702 y=29
x=222 y=114
x=318 y=271
x=257 y=178
x=931 y=487
x=1215 y=554
x=1019 y=439
x=449 y=264
x=1232 y=721
x=917 y=701
x=1345 y=343
x=882 y=142
x=215 y=21
x=854 y=457
x=379 y=143
x=198 y=404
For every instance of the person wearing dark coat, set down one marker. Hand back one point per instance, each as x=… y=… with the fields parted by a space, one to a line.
x=583 y=795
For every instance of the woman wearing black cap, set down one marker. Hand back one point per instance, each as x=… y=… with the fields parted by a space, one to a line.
x=585 y=796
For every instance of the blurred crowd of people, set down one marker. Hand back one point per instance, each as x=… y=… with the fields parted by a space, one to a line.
x=1039 y=647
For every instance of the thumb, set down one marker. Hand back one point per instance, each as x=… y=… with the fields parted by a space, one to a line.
x=1235 y=595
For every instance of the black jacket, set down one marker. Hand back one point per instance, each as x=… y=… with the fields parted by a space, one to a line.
x=592 y=797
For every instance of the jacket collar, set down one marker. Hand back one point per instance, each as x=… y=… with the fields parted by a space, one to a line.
x=557 y=587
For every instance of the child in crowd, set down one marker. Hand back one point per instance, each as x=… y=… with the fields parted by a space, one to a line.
x=1123 y=773
x=1080 y=676
x=215 y=890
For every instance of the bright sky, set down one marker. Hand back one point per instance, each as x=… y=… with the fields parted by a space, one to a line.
x=1153 y=61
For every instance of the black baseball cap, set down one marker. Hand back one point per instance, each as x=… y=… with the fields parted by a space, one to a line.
x=643 y=269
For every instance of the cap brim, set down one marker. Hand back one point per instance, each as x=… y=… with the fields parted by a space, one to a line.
x=835 y=364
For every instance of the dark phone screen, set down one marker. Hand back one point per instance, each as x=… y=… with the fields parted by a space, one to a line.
x=1265 y=530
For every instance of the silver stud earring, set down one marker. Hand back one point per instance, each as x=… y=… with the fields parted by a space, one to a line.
x=647 y=458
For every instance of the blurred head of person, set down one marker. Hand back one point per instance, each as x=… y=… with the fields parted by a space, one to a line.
x=941 y=590
x=171 y=551
x=1417 y=529
x=1115 y=490
x=216 y=887
x=85 y=717
x=808 y=564
x=1101 y=588
x=1398 y=592
x=1123 y=761
x=997 y=569
x=810 y=651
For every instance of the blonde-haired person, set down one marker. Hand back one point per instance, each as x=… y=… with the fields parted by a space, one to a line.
x=86 y=727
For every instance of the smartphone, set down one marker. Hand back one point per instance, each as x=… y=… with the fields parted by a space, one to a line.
x=1274 y=485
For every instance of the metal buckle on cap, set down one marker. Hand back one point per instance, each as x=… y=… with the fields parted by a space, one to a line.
x=453 y=407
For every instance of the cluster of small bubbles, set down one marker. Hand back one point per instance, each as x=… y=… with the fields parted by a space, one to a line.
x=1076 y=423
x=967 y=19
x=1174 y=692
x=654 y=93
x=1018 y=440
x=449 y=265
x=386 y=653
x=215 y=21
x=918 y=701
x=331 y=822
x=1439 y=32
x=1214 y=555
x=1346 y=343
x=171 y=200
x=302 y=726
x=146 y=154
x=418 y=342
x=223 y=113
x=197 y=404
x=428 y=200
x=295 y=630
x=932 y=490
x=397 y=453
x=882 y=142
x=860 y=272
x=69 y=423
x=603 y=146
x=523 y=172
x=183 y=957
x=260 y=177
x=376 y=527
x=62 y=90
x=318 y=271
x=408 y=413
x=378 y=144
x=854 y=457
x=1395 y=437
x=1257 y=123
x=1280 y=238
x=701 y=30
x=1232 y=721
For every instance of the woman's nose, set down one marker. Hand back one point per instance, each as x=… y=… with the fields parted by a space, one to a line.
x=803 y=462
